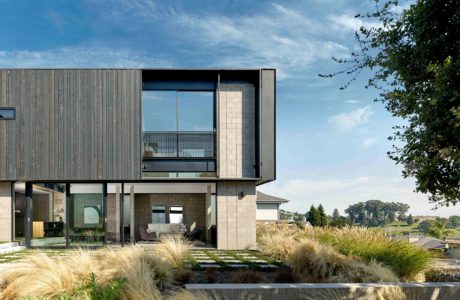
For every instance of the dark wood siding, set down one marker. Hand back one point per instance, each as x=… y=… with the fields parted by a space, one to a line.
x=71 y=125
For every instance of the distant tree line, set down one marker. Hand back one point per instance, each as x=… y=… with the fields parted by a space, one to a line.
x=376 y=213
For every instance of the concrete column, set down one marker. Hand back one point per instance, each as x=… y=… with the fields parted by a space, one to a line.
x=236 y=215
x=6 y=212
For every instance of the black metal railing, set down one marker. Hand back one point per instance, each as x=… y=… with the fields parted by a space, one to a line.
x=179 y=144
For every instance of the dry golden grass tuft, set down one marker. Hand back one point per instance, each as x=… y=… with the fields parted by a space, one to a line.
x=369 y=245
x=315 y=262
x=144 y=272
x=174 y=248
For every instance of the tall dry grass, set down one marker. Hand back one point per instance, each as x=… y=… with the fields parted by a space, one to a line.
x=143 y=272
x=42 y=276
x=369 y=245
x=406 y=260
x=315 y=262
x=174 y=248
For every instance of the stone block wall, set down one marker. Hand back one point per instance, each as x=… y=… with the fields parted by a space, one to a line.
x=236 y=215
x=5 y=212
x=237 y=131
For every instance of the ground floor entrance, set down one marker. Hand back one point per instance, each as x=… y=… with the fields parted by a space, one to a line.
x=56 y=215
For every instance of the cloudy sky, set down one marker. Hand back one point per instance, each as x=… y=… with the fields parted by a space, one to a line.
x=331 y=144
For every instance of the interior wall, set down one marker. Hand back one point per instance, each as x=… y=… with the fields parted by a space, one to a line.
x=78 y=203
x=194 y=208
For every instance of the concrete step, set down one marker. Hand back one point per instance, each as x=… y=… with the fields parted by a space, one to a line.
x=9 y=245
x=12 y=249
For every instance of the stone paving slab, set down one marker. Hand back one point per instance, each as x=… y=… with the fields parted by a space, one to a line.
x=231 y=261
x=268 y=267
x=207 y=261
x=237 y=265
x=258 y=261
x=210 y=266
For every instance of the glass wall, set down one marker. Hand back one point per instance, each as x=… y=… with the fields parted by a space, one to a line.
x=86 y=215
x=178 y=124
x=48 y=215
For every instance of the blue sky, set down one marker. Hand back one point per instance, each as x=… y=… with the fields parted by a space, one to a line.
x=331 y=144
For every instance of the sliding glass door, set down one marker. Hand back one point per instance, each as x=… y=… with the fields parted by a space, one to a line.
x=86 y=215
x=48 y=215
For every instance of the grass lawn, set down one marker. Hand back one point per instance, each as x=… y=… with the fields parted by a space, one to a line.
x=14 y=256
x=197 y=259
x=401 y=228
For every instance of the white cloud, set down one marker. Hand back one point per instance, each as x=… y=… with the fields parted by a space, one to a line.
x=282 y=38
x=79 y=57
x=346 y=121
x=347 y=22
x=369 y=142
x=352 y=101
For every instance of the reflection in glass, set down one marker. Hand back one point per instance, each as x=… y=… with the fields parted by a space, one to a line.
x=86 y=215
x=158 y=214
x=48 y=215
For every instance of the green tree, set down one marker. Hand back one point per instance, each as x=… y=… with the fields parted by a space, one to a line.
x=313 y=216
x=335 y=215
x=414 y=59
x=410 y=220
x=322 y=216
x=438 y=229
x=453 y=222
x=424 y=226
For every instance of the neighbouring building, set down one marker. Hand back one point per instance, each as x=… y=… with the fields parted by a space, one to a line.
x=97 y=156
x=268 y=207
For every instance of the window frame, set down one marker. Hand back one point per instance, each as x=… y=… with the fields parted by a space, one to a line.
x=11 y=109
x=176 y=212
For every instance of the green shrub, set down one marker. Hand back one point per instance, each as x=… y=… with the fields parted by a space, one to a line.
x=404 y=259
x=109 y=291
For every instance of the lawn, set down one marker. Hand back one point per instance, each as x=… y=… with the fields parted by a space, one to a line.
x=401 y=228
x=15 y=256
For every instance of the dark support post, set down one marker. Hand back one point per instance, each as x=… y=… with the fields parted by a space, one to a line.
x=104 y=205
x=67 y=214
x=28 y=229
x=122 y=227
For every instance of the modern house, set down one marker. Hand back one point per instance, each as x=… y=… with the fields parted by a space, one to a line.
x=98 y=156
x=268 y=207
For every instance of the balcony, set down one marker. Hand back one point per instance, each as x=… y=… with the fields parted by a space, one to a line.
x=179 y=144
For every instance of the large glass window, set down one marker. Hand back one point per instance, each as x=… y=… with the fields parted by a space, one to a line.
x=178 y=124
x=48 y=215
x=176 y=215
x=158 y=214
x=86 y=224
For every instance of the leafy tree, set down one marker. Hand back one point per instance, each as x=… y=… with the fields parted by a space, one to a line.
x=410 y=220
x=314 y=216
x=322 y=216
x=376 y=213
x=424 y=226
x=414 y=57
x=453 y=222
x=335 y=215
x=438 y=229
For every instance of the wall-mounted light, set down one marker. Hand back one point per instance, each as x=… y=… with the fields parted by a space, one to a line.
x=242 y=194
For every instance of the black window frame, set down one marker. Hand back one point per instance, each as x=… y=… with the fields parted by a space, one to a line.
x=10 y=109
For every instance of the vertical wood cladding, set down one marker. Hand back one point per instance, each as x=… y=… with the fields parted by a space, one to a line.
x=75 y=124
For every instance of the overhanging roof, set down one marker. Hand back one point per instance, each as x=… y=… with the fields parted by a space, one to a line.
x=264 y=198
